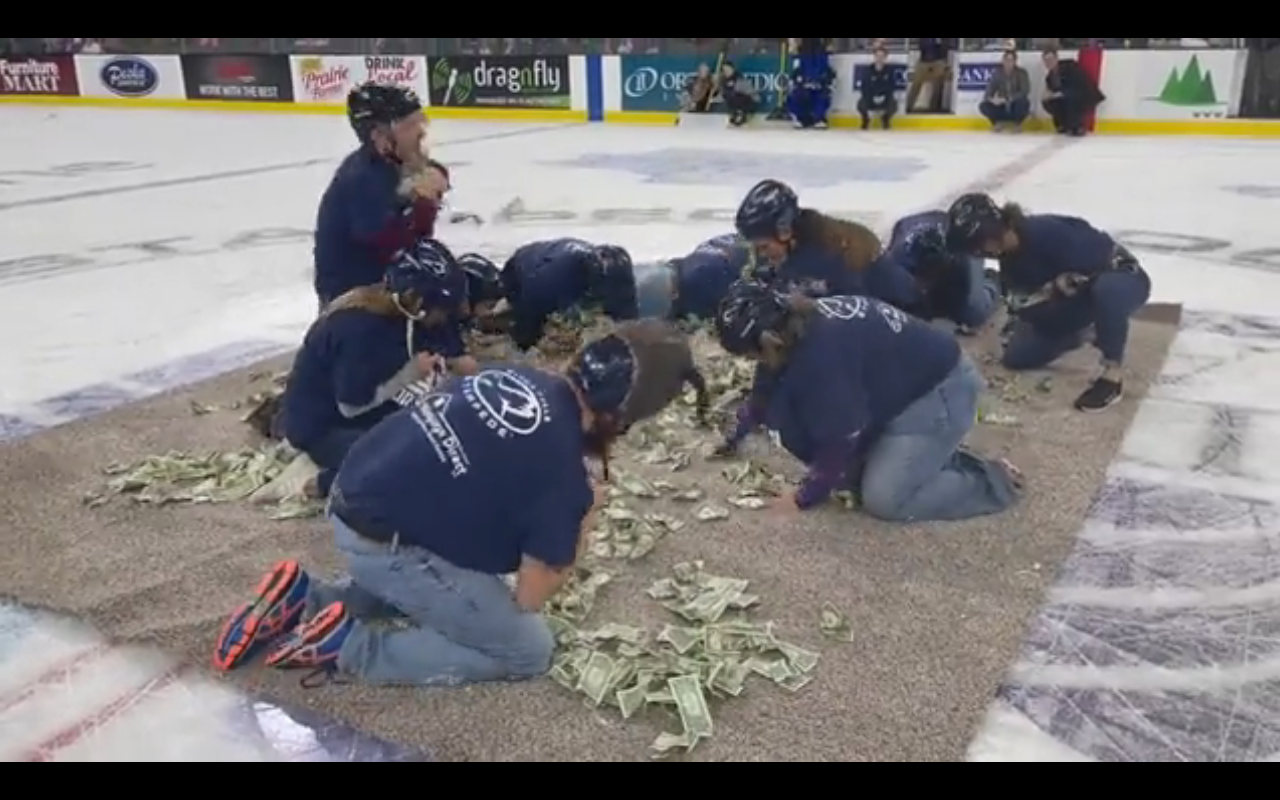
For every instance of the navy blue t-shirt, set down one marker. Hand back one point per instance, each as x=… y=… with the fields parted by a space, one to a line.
x=487 y=469
x=1050 y=245
x=359 y=205
x=860 y=364
x=345 y=357
x=892 y=276
x=818 y=271
x=544 y=278
x=704 y=276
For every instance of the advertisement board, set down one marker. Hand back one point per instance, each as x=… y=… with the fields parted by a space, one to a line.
x=39 y=75
x=655 y=83
x=238 y=78
x=326 y=80
x=130 y=77
x=1173 y=84
x=508 y=82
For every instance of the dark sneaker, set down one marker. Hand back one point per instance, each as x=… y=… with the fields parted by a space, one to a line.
x=316 y=643
x=1100 y=395
x=274 y=611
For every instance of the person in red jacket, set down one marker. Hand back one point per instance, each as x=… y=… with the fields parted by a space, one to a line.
x=383 y=197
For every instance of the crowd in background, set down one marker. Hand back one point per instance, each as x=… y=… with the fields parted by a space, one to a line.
x=531 y=46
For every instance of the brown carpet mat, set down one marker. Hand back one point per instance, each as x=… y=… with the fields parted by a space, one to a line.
x=938 y=611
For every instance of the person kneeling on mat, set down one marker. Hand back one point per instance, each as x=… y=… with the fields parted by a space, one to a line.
x=431 y=508
x=919 y=274
x=871 y=399
x=1060 y=276
x=366 y=347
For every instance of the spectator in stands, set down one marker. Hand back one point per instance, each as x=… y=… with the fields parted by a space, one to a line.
x=875 y=90
x=699 y=90
x=932 y=69
x=739 y=95
x=1007 y=100
x=1070 y=94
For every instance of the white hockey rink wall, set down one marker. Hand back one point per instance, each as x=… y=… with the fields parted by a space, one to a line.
x=1184 y=91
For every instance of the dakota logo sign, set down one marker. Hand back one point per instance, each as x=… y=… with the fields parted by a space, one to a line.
x=49 y=75
x=129 y=76
x=499 y=81
x=328 y=79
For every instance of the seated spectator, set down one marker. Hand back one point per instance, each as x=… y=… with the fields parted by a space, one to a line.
x=875 y=90
x=739 y=95
x=1007 y=100
x=1070 y=94
x=809 y=100
x=932 y=69
x=699 y=90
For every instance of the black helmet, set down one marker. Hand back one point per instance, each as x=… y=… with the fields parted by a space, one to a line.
x=748 y=310
x=604 y=372
x=972 y=220
x=927 y=242
x=769 y=209
x=373 y=104
x=484 y=281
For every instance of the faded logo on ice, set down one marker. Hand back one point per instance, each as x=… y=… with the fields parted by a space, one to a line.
x=691 y=167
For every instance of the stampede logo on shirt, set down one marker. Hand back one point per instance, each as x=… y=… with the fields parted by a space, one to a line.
x=507 y=402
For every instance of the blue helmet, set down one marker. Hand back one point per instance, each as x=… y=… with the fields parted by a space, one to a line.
x=748 y=310
x=971 y=221
x=604 y=372
x=769 y=209
x=484 y=280
x=430 y=272
x=372 y=104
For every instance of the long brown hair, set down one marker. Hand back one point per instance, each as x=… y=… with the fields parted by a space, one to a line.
x=857 y=244
x=375 y=299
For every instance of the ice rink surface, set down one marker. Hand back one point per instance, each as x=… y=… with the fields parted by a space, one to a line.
x=142 y=250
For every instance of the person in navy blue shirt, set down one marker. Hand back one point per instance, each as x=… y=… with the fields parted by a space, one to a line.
x=1060 y=276
x=870 y=398
x=558 y=276
x=483 y=478
x=919 y=274
x=692 y=286
x=370 y=211
x=810 y=252
x=367 y=346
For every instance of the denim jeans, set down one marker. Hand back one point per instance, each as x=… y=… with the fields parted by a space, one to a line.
x=456 y=626
x=916 y=471
x=329 y=451
x=983 y=293
x=655 y=288
x=1013 y=112
x=1111 y=301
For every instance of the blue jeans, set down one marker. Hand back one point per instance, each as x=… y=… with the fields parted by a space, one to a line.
x=457 y=626
x=329 y=451
x=655 y=285
x=1013 y=112
x=916 y=471
x=983 y=294
x=1108 y=305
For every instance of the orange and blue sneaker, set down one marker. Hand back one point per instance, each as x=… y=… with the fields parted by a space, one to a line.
x=274 y=611
x=316 y=643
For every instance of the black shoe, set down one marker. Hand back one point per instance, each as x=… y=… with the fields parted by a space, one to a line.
x=1100 y=395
